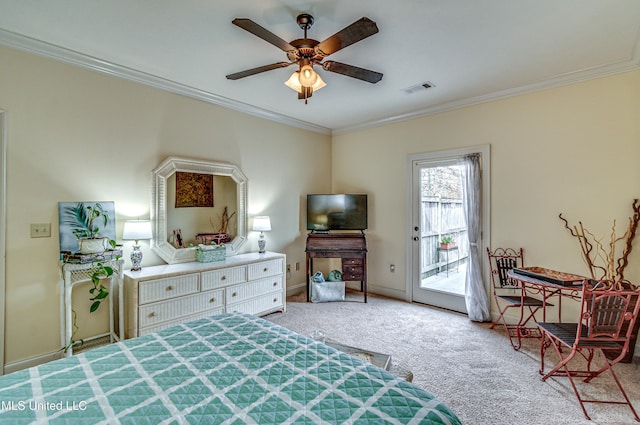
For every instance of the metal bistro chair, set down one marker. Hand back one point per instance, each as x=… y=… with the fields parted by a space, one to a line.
x=510 y=295
x=607 y=315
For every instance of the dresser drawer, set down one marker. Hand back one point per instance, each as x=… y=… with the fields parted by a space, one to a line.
x=161 y=289
x=352 y=269
x=170 y=310
x=259 y=305
x=164 y=325
x=266 y=268
x=223 y=277
x=352 y=262
x=251 y=289
x=352 y=276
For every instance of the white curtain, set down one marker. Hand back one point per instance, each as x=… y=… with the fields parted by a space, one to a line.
x=475 y=294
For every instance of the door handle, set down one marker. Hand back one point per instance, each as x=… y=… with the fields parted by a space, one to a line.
x=415 y=238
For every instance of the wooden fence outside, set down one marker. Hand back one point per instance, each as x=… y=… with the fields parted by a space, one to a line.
x=441 y=217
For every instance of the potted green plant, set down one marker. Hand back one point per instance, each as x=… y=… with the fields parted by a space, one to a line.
x=84 y=221
x=447 y=242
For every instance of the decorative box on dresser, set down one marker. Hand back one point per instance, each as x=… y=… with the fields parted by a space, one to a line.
x=161 y=296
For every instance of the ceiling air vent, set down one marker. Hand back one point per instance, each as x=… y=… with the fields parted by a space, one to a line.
x=418 y=87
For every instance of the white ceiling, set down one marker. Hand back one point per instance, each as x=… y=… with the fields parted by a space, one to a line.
x=470 y=50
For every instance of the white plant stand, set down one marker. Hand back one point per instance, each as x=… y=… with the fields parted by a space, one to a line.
x=72 y=274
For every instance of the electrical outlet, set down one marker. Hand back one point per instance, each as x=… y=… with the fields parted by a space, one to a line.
x=392 y=268
x=288 y=268
x=297 y=266
x=41 y=230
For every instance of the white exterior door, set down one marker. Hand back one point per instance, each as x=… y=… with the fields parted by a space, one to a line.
x=436 y=276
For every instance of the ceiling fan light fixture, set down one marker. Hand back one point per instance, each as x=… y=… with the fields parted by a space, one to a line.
x=307 y=76
x=305 y=93
x=305 y=52
x=318 y=84
x=294 y=83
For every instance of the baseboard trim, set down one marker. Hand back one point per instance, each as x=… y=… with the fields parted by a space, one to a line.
x=296 y=289
x=371 y=289
x=386 y=292
x=33 y=361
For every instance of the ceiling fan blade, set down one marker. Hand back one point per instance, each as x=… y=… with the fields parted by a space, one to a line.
x=352 y=71
x=355 y=32
x=258 y=70
x=266 y=35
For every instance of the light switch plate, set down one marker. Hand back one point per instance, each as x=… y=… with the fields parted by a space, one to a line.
x=41 y=230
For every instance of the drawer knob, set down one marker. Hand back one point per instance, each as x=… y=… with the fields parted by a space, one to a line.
x=223 y=278
x=152 y=314
x=275 y=300
x=265 y=269
x=234 y=294
x=212 y=300
x=170 y=288
x=275 y=284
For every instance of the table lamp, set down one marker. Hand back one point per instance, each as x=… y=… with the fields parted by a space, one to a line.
x=261 y=224
x=136 y=230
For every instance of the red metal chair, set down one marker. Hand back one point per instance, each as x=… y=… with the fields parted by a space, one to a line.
x=509 y=295
x=608 y=313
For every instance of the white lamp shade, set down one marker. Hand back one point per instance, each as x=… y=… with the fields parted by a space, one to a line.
x=294 y=82
x=307 y=76
x=261 y=223
x=137 y=230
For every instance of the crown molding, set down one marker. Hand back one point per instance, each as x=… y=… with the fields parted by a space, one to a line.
x=619 y=67
x=51 y=51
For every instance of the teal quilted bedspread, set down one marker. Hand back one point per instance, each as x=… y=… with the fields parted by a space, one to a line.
x=228 y=369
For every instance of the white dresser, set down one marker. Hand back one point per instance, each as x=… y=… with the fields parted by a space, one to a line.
x=161 y=296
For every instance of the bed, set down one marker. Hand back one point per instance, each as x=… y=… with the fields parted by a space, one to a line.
x=226 y=369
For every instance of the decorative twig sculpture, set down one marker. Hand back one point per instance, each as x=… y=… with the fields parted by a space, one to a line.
x=225 y=218
x=631 y=233
x=603 y=259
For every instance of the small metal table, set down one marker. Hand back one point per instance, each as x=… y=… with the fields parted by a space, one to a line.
x=544 y=290
x=446 y=251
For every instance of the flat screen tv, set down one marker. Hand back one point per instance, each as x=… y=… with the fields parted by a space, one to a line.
x=336 y=212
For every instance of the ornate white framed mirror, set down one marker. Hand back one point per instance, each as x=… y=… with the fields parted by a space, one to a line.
x=229 y=194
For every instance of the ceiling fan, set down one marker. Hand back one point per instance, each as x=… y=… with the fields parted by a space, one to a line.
x=306 y=52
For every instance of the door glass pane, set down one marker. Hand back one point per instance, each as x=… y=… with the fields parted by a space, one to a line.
x=443 y=244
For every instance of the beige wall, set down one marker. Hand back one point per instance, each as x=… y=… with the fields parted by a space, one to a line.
x=573 y=150
x=77 y=135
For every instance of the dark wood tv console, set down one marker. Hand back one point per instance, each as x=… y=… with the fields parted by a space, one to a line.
x=351 y=248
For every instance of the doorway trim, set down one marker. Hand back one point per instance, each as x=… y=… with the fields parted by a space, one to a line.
x=485 y=152
x=3 y=228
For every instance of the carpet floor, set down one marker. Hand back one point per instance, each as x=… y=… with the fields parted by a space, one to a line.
x=471 y=368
